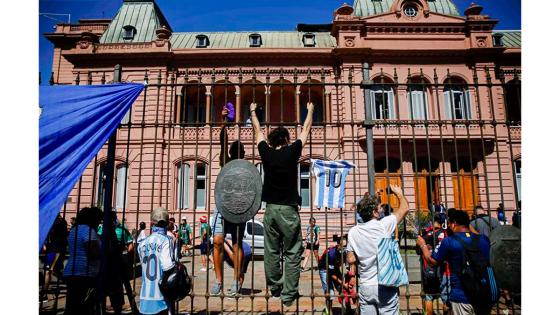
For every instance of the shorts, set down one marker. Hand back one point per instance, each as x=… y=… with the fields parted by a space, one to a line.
x=328 y=286
x=221 y=226
x=204 y=248
x=376 y=300
x=311 y=246
x=53 y=261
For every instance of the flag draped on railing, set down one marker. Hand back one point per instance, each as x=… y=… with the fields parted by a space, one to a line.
x=74 y=123
x=330 y=182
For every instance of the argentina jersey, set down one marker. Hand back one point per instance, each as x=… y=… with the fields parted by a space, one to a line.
x=331 y=182
x=155 y=255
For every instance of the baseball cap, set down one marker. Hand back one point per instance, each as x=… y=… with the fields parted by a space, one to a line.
x=203 y=219
x=184 y=218
x=160 y=214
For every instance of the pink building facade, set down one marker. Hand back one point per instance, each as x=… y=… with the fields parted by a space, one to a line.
x=443 y=88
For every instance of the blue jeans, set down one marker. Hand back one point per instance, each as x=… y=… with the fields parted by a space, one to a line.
x=328 y=285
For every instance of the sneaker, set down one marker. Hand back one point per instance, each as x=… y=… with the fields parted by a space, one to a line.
x=234 y=289
x=203 y=269
x=216 y=289
x=276 y=293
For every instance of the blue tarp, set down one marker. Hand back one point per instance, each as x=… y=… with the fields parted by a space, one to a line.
x=74 y=124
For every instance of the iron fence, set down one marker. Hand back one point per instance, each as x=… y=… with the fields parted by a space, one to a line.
x=450 y=140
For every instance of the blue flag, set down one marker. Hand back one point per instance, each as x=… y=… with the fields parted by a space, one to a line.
x=75 y=122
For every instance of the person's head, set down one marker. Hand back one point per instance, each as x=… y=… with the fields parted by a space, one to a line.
x=172 y=219
x=386 y=209
x=459 y=220
x=90 y=217
x=72 y=220
x=170 y=226
x=312 y=221
x=184 y=220
x=237 y=150
x=368 y=208
x=478 y=210
x=142 y=226
x=279 y=137
x=203 y=219
x=160 y=217
x=439 y=220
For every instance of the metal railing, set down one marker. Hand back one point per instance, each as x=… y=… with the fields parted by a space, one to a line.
x=447 y=139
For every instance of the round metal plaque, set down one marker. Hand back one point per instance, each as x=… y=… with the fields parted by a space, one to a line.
x=505 y=257
x=238 y=191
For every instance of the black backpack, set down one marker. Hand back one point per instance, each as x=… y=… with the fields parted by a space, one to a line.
x=477 y=276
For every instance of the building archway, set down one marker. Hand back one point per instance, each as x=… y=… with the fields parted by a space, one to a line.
x=222 y=93
x=316 y=95
x=191 y=104
x=252 y=93
x=282 y=107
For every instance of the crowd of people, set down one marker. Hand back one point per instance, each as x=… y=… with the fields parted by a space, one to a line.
x=348 y=269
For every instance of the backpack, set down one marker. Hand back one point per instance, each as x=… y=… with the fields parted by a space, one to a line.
x=431 y=275
x=476 y=275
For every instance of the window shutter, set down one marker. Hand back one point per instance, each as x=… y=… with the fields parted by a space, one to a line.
x=448 y=104
x=391 y=104
x=468 y=112
x=121 y=183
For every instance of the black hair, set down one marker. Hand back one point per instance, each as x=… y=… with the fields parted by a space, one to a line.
x=162 y=224
x=459 y=217
x=89 y=216
x=278 y=137
x=142 y=225
x=367 y=206
x=172 y=219
x=312 y=219
x=236 y=150
x=386 y=209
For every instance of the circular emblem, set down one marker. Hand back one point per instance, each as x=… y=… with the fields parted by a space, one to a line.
x=505 y=257
x=238 y=191
x=349 y=42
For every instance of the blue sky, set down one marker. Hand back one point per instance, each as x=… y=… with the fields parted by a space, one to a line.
x=223 y=15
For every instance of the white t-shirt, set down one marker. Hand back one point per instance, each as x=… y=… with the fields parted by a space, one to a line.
x=362 y=241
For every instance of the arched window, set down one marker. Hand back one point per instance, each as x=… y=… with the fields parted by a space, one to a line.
x=457 y=99
x=252 y=93
x=315 y=94
x=418 y=99
x=382 y=99
x=222 y=93
x=513 y=101
x=282 y=102
x=188 y=193
x=191 y=104
x=119 y=187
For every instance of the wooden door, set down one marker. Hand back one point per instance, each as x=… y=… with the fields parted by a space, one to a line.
x=381 y=186
x=465 y=191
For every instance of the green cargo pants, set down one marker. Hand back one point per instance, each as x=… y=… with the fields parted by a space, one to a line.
x=282 y=227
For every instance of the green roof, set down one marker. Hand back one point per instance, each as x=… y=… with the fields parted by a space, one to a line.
x=365 y=8
x=511 y=39
x=270 y=39
x=144 y=15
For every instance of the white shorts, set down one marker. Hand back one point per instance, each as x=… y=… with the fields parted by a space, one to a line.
x=378 y=300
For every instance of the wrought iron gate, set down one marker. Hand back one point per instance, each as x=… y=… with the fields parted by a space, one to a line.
x=448 y=140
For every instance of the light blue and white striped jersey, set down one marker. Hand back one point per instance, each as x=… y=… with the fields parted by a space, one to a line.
x=330 y=182
x=155 y=255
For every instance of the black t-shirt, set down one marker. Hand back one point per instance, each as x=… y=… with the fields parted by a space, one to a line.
x=57 y=238
x=280 y=173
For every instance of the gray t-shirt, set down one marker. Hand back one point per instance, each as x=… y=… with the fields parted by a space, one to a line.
x=482 y=224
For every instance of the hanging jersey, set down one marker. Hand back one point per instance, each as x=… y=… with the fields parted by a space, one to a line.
x=155 y=255
x=330 y=182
